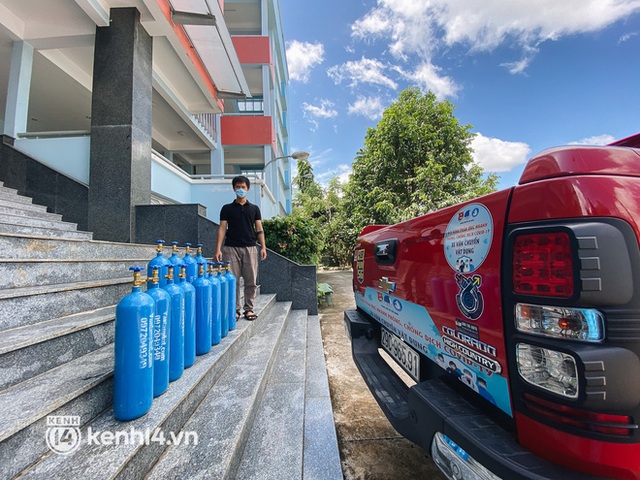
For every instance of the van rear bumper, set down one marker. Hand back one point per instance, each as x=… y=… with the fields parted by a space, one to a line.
x=432 y=406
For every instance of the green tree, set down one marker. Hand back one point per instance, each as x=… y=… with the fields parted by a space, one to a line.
x=416 y=160
x=337 y=228
x=305 y=182
x=299 y=236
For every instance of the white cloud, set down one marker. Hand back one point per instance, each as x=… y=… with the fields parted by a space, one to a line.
x=426 y=76
x=373 y=23
x=369 y=107
x=595 y=140
x=302 y=57
x=495 y=155
x=519 y=66
x=342 y=172
x=627 y=37
x=325 y=110
x=422 y=28
x=365 y=70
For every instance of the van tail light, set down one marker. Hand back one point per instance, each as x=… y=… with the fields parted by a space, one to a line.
x=619 y=425
x=543 y=265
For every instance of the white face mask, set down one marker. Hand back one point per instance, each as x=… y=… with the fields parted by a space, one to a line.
x=241 y=193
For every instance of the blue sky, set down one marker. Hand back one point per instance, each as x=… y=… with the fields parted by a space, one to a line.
x=525 y=74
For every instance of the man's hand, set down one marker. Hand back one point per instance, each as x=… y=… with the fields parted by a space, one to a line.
x=263 y=253
x=218 y=256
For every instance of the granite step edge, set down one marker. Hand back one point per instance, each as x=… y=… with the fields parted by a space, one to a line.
x=61 y=287
x=32 y=399
x=320 y=448
x=226 y=415
x=279 y=420
x=20 y=337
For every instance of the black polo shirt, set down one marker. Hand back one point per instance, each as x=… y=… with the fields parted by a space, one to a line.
x=241 y=220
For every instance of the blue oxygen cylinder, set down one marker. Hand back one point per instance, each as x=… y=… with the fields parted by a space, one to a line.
x=231 y=280
x=133 y=364
x=161 y=262
x=161 y=325
x=200 y=258
x=216 y=313
x=175 y=260
x=224 y=299
x=190 y=263
x=189 y=318
x=176 y=330
x=203 y=312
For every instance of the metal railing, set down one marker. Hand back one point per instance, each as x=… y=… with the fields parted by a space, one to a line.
x=207 y=122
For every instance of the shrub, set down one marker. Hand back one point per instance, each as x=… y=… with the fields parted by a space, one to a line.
x=296 y=238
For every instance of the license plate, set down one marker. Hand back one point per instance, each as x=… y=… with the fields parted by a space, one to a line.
x=402 y=353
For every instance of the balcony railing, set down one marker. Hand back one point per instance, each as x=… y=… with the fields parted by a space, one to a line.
x=207 y=122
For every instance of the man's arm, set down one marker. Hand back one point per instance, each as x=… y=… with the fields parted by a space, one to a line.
x=260 y=236
x=222 y=230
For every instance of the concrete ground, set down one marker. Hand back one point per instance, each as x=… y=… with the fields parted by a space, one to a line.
x=370 y=449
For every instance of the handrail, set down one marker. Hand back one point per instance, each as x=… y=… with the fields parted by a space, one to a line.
x=198 y=178
x=158 y=157
x=56 y=134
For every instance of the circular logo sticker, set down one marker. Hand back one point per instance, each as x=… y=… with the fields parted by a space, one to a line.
x=468 y=237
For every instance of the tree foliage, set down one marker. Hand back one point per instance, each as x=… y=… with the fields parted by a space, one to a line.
x=417 y=159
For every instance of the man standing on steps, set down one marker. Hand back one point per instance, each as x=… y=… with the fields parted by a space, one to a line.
x=241 y=223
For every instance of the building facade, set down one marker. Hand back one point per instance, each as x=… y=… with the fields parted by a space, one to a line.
x=108 y=105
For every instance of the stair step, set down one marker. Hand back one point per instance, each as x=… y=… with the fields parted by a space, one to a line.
x=94 y=393
x=25 y=207
x=9 y=190
x=7 y=194
x=321 y=453
x=27 y=221
x=28 y=306
x=224 y=417
x=168 y=414
x=21 y=273
x=33 y=349
x=29 y=401
x=30 y=213
x=279 y=423
x=61 y=249
x=43 y=232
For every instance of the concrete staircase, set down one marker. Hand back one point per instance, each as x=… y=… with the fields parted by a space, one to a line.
x=256 y=406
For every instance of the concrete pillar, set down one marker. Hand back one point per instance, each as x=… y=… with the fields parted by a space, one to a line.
x=120 y=167
x=217 y=154
x=17 y=108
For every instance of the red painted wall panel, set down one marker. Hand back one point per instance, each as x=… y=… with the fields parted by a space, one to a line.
x=253 y=50
x=246 y=130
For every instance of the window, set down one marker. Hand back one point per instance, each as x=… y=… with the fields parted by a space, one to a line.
x=251 y=105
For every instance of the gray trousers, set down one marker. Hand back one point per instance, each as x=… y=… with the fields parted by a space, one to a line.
x=244 y=264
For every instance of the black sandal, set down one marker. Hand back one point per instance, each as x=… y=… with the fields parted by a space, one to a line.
x=249 y=315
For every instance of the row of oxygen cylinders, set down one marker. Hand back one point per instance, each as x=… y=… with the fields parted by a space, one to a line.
x=189 y=306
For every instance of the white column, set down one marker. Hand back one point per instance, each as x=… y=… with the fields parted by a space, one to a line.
x=17 y=108
x=264 y=16
x=217 y=154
